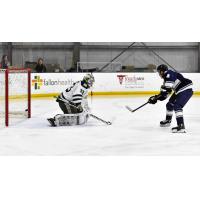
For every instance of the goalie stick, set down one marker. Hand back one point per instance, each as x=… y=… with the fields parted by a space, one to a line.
x=99 y=119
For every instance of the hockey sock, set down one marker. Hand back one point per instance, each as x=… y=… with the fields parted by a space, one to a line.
x=169 y=115
x=179 y=117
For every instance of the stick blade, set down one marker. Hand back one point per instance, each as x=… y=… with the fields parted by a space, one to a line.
x=128 y=108
x=109 y=123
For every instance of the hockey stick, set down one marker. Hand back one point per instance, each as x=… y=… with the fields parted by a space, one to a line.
x=105 y=122
x=133 y=110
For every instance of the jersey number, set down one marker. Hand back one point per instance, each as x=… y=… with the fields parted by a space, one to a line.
x=82 y=91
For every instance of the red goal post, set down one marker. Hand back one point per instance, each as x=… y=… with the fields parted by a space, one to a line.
x=15 y=85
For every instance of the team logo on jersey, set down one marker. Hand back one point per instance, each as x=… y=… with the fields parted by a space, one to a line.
x=121 y=78
x=37 y=82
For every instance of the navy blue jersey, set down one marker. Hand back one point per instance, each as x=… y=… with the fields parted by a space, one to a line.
x=176 y=81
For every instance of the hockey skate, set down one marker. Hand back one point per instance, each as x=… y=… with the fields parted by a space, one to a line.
x=165 y=123
x=51 y=121
x=179 y=129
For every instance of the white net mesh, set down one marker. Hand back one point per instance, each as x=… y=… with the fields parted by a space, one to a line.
x=17 y=95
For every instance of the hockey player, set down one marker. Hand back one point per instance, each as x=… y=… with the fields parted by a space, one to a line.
x=182 y=87
x=73 y=103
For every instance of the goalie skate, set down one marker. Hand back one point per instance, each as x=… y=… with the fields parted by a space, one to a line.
x=51 y=122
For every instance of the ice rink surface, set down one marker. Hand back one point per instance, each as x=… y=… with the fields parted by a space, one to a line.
x=130 y=133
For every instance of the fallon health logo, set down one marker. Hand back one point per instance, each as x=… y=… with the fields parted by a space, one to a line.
x=39 y=82
x=131 y=81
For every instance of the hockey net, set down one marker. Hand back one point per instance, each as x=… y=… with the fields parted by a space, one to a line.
x=15 y=95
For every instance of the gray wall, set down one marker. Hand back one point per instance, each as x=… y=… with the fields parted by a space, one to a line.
x=62 y=57
x=182 y=56
x=185 y=60
x=51 y=52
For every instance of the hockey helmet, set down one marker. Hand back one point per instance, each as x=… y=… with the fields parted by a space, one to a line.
x=161 y=69
x=88 y=79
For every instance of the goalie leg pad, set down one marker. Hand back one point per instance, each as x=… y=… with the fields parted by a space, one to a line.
x=71 y=119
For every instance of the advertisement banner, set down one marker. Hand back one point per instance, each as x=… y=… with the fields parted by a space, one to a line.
x=47 y=83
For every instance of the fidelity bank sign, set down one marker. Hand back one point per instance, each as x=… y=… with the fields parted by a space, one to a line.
x=38 y=82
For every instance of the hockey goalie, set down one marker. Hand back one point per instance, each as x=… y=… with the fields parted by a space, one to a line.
x=73 y=103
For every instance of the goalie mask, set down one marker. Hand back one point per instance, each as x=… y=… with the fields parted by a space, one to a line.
x=88 y=80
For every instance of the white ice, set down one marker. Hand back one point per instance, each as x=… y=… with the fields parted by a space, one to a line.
x=130 y=133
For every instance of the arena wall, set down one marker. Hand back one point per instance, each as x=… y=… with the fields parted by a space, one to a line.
x=183 y=56
x=51 y=84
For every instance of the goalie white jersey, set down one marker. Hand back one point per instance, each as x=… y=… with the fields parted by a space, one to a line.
x=73 y=103
x=74 y=94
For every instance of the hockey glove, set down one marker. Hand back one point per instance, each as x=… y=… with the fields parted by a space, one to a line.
x=153 y=99
x=164 y=93
x=79 y=108
x=85 y=105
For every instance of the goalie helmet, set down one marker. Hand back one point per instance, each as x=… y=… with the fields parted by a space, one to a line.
x=88 y=80
x=161 y=69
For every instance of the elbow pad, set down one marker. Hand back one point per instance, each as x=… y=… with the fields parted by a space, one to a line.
x=165 y=89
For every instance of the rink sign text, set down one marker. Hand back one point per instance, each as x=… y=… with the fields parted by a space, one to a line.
x=131 y=81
